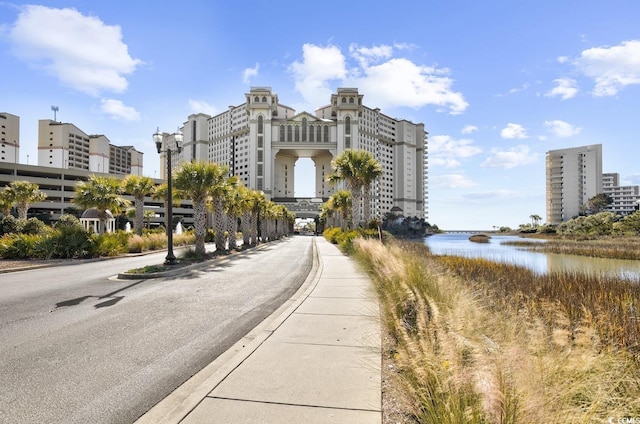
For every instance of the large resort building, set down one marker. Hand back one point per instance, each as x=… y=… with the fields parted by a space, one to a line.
x=261 y=140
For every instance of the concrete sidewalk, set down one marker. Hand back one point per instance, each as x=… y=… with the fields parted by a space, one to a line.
x=315 y=360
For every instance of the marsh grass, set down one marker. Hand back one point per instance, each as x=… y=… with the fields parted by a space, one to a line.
x=473 y=341
x=608 y=248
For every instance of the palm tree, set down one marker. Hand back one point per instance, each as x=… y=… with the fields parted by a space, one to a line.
x=258 y=204
x=235 y=208
x=219 y=192
x=23 y=193
x=358 y=169
x=195 y=180
x=535 y=219
x=103 y=193
x=369 y=171
x=341 y=202
x=138 y=186
x=6 y=202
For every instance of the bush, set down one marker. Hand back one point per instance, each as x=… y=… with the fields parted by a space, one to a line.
x=331 y=234
x=72 y=242
x=110 y=244
x=68 y=220
x=135 y=244
x=11 y=225
x=18 y=246
x=34 y=226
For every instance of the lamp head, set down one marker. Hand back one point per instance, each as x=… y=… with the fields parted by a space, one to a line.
x=178 y=137
x=157 y=138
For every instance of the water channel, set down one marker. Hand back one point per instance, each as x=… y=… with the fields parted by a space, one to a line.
x=458 y=244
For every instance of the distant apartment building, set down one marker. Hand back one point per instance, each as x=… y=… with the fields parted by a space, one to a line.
x=65 y=146
x=626 y=199
x=573 y=176
x=9 y=137
x=58 y=184
x=261 y=140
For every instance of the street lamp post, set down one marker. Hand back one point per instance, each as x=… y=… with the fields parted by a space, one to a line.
x=158 y=139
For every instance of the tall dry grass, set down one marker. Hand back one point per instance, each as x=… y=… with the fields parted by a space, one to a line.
x=609 y=248
x=476 y=342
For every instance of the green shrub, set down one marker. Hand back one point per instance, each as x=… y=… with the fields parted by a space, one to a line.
x=18 y=246
x=345 y=240
x=72 y=242
x=11 y=225
x=68 y=220
x=331 y=234
x=35 y=226
x=110 y=244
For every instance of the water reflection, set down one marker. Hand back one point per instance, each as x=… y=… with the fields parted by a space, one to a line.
x=459 y=245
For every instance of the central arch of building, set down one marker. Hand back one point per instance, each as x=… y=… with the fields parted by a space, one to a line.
x=284 y=181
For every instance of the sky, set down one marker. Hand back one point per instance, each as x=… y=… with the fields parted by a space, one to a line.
x=497 y=84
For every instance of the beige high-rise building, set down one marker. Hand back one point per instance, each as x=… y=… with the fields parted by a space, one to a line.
x=63 y=145
x=573 y=176
x=9 y=138
x=261 y=140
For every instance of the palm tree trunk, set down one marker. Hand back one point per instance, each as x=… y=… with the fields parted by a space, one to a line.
x=199 y=220
x=232 y=224
x=139 y=223
x=366 y=201
x=246 y=228
x=218 y=215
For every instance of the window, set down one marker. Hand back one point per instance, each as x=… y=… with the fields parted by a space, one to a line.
x=297 y=133
x=260 y=124
x=304 y=129
x=289 y=133
x=347 y=125
x=281 y=132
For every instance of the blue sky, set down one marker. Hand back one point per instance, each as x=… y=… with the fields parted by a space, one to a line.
x=496 y=83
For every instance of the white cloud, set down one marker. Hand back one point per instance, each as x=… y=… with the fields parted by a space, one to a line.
x=510 y=158
x=565 y=88
x=447 y=152
x=468 y=129
x=385 y=80
x=118 y=111
x=512 y=131
x=249 y=73
x=451 y=181
x=319 y=66
x=366 y=55
x=489 y=195
x=561 y=128
x=612 y=68
x=523 y=87
x=81 y=51
x=200 y=106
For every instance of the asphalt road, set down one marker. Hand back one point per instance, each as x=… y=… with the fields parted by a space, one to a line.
x=79 y=346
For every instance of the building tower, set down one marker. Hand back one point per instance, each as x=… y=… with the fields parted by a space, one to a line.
x=9 y=138
x=573 y=176
x=262 y=139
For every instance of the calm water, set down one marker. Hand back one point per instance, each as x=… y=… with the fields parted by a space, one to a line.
x=459 y=245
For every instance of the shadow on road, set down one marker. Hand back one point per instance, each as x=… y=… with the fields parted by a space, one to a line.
x=111 y=296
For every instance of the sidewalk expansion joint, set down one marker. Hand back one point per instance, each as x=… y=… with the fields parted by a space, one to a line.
x=304 y=405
